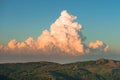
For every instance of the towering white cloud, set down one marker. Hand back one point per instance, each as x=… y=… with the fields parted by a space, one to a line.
x=63 y=37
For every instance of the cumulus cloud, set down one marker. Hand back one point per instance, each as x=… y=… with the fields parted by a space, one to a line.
x=63 y=35
x=63 y=38
x=98 y=45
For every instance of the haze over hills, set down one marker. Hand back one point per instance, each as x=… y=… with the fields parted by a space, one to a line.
x=101 y=69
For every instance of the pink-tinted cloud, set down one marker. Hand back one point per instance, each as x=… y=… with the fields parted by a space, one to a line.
x=63 y=38
x=99 y=45
x=95 y=45
x=63 y=35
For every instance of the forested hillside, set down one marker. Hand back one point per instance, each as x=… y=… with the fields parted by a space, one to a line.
x=101 y=69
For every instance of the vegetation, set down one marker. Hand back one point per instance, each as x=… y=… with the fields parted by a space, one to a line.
x=101 y=69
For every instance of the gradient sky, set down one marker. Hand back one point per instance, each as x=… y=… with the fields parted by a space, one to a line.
x=100 y=19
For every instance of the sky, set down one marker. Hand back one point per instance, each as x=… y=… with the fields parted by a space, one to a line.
x=21 y=19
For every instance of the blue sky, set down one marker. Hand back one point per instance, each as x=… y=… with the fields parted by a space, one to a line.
x=20 y=19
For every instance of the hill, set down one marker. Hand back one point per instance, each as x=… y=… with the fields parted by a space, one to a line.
x=102 y=69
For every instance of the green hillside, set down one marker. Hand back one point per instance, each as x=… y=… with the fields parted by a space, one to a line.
x=101 y=69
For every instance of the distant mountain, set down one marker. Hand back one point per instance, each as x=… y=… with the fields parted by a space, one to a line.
x=101 y=69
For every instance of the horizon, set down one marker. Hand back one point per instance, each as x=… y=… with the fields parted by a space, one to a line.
x=59 y=62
